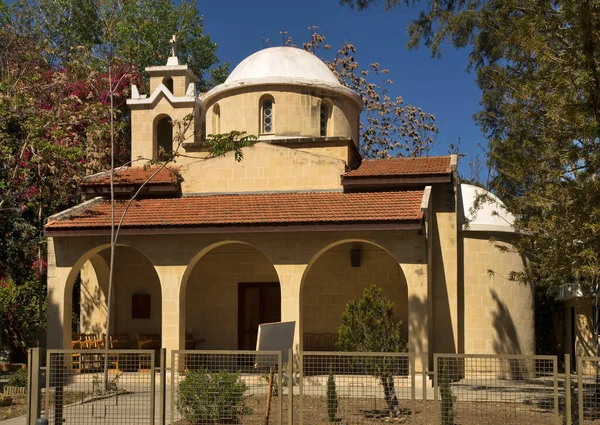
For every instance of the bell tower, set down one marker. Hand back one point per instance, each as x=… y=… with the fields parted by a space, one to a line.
x=172 y=97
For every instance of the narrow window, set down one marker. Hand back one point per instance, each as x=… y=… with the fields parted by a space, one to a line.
x=164 y=133
x=168 y=82
x=267 y=116
x=324 y=119
x=216 y=119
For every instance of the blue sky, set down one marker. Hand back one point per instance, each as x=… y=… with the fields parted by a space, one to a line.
x=439 y=86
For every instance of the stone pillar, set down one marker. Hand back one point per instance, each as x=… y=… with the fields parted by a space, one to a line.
x=173 y=308
x=58 y=333
x=418 y=318
x=290 y=280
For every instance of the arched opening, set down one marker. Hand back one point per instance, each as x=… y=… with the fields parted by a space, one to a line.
x=164 y=137
x=267 y=115
x=230 y=290
x=168 y=83
x=339 y=275
x=216 y=119
x=134 y=278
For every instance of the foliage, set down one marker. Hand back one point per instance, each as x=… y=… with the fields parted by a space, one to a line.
x=447 y=397
x=537 y=66
x=390 y=127
x=234 y=141
x=368 y=325
x=112 y=384
x=20 y=326
x=332 y=398
x=140 y=31
x=18 y=379
x=212 y=397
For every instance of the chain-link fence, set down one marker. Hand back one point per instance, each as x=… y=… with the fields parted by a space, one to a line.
x=99 y=387
x=496 y=390
x=227 y=387
x=356 y=388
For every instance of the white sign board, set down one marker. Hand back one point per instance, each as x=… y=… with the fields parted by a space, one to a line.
x=277 y=336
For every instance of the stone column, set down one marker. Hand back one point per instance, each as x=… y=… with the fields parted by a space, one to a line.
x=418 y=318
x=173 y=308
x=290 y=279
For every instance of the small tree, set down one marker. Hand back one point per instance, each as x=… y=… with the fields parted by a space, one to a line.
x=332 y=400
x=447 y=398
x=368 y=325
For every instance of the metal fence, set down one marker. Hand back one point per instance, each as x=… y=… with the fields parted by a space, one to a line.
x=227 y=387
x=356 y=388
x=100 y=387
x=496 y=389
x=251 y=387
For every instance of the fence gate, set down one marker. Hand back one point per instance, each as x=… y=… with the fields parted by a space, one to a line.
x=356 y=388
x=496 y=389
x=227 y=387
x=100 y=387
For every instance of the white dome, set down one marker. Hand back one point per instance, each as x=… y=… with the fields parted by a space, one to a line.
x=283 y=64
x=491 y=214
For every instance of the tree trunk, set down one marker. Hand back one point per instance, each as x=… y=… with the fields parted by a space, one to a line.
x=389 y=391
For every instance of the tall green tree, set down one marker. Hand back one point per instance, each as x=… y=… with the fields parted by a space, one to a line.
x=537 y=66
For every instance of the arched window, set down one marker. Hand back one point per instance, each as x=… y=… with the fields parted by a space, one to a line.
x=324 y=118
x=164 y=137
x=168 y=82
x=266 y=115
x=216 y=119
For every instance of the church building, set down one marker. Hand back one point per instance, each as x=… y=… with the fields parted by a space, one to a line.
x=212 y=247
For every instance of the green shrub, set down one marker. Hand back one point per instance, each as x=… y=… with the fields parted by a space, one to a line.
x=212 y=397
x=332 y=399
x=446 y=396
x=18 y=379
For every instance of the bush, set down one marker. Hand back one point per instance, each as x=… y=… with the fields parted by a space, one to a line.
x=447 y=398
x=212 y=398
x=18 y=379
x=332 y=399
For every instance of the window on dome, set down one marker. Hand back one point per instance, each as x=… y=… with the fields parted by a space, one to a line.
x=267 y=115
x=216 y=119
x=324 y=118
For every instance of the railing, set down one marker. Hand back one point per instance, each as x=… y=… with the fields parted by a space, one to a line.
x=250 y=387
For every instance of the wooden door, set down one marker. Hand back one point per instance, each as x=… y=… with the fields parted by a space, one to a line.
x=257 y=303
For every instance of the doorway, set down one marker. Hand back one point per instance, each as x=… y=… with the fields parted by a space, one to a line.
x=257 y=303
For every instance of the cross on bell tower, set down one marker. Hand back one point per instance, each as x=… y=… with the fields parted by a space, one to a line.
x=173 y=42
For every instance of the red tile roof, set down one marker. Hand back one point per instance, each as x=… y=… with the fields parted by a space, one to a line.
x=392 y=167
x=252 y=209
x=133 y=176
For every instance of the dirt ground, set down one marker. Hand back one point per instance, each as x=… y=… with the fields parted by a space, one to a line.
x=373 y=411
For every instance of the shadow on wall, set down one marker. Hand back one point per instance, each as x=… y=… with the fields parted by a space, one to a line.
x=417 y=324
x=584 y=332
x=90 y=303
x=507 y=342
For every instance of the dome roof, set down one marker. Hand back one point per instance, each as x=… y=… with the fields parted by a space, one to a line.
x=491 y=214
x=283 y=65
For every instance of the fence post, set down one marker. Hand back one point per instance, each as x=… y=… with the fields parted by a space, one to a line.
x=555 y=378
x=33 y=385
x=301 y=384
x=580 y=390
x=163 y=388
x=424 y=383
x=568 y=389
x=435 y=383
x=290 y=373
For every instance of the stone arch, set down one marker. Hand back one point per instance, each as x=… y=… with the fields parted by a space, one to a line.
x=163 y=135
x=211 y=292
x=134 y=273
x=334 y=276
